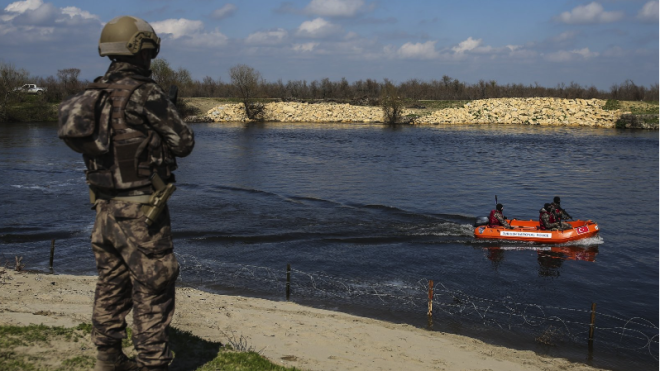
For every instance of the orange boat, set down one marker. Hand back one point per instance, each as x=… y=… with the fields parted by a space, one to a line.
x=524 y=230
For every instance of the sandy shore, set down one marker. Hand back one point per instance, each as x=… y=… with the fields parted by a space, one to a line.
x=286 y=333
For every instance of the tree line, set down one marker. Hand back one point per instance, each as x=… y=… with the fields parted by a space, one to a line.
x=368 y=91
x=446 y=88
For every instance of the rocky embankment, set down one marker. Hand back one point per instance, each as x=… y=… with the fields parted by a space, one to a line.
x=525 y=111
x=301 y=112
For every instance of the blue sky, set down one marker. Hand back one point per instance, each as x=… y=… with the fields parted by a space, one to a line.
x=597 y=43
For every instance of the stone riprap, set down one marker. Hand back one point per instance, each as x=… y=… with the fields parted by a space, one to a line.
x=301 y=112
x=527 y=111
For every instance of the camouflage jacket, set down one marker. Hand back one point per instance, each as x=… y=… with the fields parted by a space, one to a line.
x=502 y=219
x=150 y=106
x=151 y=137
x=560 y=214
x=544 y=217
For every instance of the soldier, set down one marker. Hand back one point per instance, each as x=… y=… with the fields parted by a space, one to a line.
x=547 y=220
x=129 y=185
x=560 y=214
x=496 y=218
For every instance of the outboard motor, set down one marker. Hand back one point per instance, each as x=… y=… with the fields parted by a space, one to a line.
x=482 y=220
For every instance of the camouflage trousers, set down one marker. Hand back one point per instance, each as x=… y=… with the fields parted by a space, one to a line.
x=559 y=226
x=137 y=270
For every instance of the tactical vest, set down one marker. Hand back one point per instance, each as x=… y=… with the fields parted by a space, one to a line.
x=135 y=153
x=551 y=219
x=492 y=220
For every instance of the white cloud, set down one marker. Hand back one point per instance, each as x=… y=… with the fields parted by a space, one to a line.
x=267 y=37
x=192 y=32
x=590 y=13
x=23 y=6
x=224 y=12
x=306 y=47
x=208 y=39
x=585 y=53
x=335 y=8
x=649 y=12
x=568 y=56
x=467 y=45
x=74 y=12
x=418 y=50
x=317 y=28
x=33 y=21
x=178 y=27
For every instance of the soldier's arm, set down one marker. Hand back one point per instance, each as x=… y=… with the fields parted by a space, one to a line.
x=502 y=221
x=162 y=116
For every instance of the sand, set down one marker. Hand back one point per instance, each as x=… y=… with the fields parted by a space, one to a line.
x=286 y=333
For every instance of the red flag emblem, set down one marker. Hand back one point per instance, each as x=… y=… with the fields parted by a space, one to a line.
x=582 y=230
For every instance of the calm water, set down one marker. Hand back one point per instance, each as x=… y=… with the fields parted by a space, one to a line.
x=388 y=208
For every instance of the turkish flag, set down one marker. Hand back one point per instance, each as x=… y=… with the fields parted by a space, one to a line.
x=582 y=230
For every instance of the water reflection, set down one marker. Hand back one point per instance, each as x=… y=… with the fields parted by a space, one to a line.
x=549 y=258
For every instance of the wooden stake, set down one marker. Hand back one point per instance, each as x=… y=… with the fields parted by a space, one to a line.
x=429 y=313
x=591 y=327
x=52 y=253
x=288 y=281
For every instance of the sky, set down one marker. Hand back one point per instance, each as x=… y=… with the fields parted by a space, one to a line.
x=550 y=42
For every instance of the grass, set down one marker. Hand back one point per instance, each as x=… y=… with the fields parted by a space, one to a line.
x=612 y=105
x=442 y=104
x=32 y=108
x=640 y=108
x=634 y=107
x=45 y=348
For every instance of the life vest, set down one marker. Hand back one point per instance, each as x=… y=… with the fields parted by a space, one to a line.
x=492 y=220
x=551 y=218
x=134 y=154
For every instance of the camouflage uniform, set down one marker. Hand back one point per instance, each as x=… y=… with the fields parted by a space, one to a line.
x=545 y=219
x=500 y=218
x=560 y=214
x=136 y=264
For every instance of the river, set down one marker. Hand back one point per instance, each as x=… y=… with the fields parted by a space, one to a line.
x=366 y=214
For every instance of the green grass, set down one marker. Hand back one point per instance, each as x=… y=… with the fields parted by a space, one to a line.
x=31 y=108
x=442 y=104
x=191 y=352
x=611 y=105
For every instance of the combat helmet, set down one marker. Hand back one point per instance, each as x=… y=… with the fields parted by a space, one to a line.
x=127 y=35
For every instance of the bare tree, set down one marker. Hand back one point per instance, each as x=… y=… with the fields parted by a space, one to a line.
x=10 y=79
x=246 y=81
x=69 y=78
x=391 y=103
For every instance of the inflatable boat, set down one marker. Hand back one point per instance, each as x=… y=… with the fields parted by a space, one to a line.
x=530 y=231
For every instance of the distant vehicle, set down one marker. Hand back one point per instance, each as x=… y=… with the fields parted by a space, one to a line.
x=31 y=89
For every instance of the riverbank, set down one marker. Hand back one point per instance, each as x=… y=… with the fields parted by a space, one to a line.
x=514 y=111
x=286 y=333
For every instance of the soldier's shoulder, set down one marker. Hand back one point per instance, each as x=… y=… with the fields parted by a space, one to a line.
x=149 y=91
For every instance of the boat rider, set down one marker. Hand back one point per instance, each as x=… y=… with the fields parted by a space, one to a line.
x=560 y=214
x=547 y=220
x=496 y=218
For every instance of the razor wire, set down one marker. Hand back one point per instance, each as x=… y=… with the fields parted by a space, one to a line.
x=549 y=324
